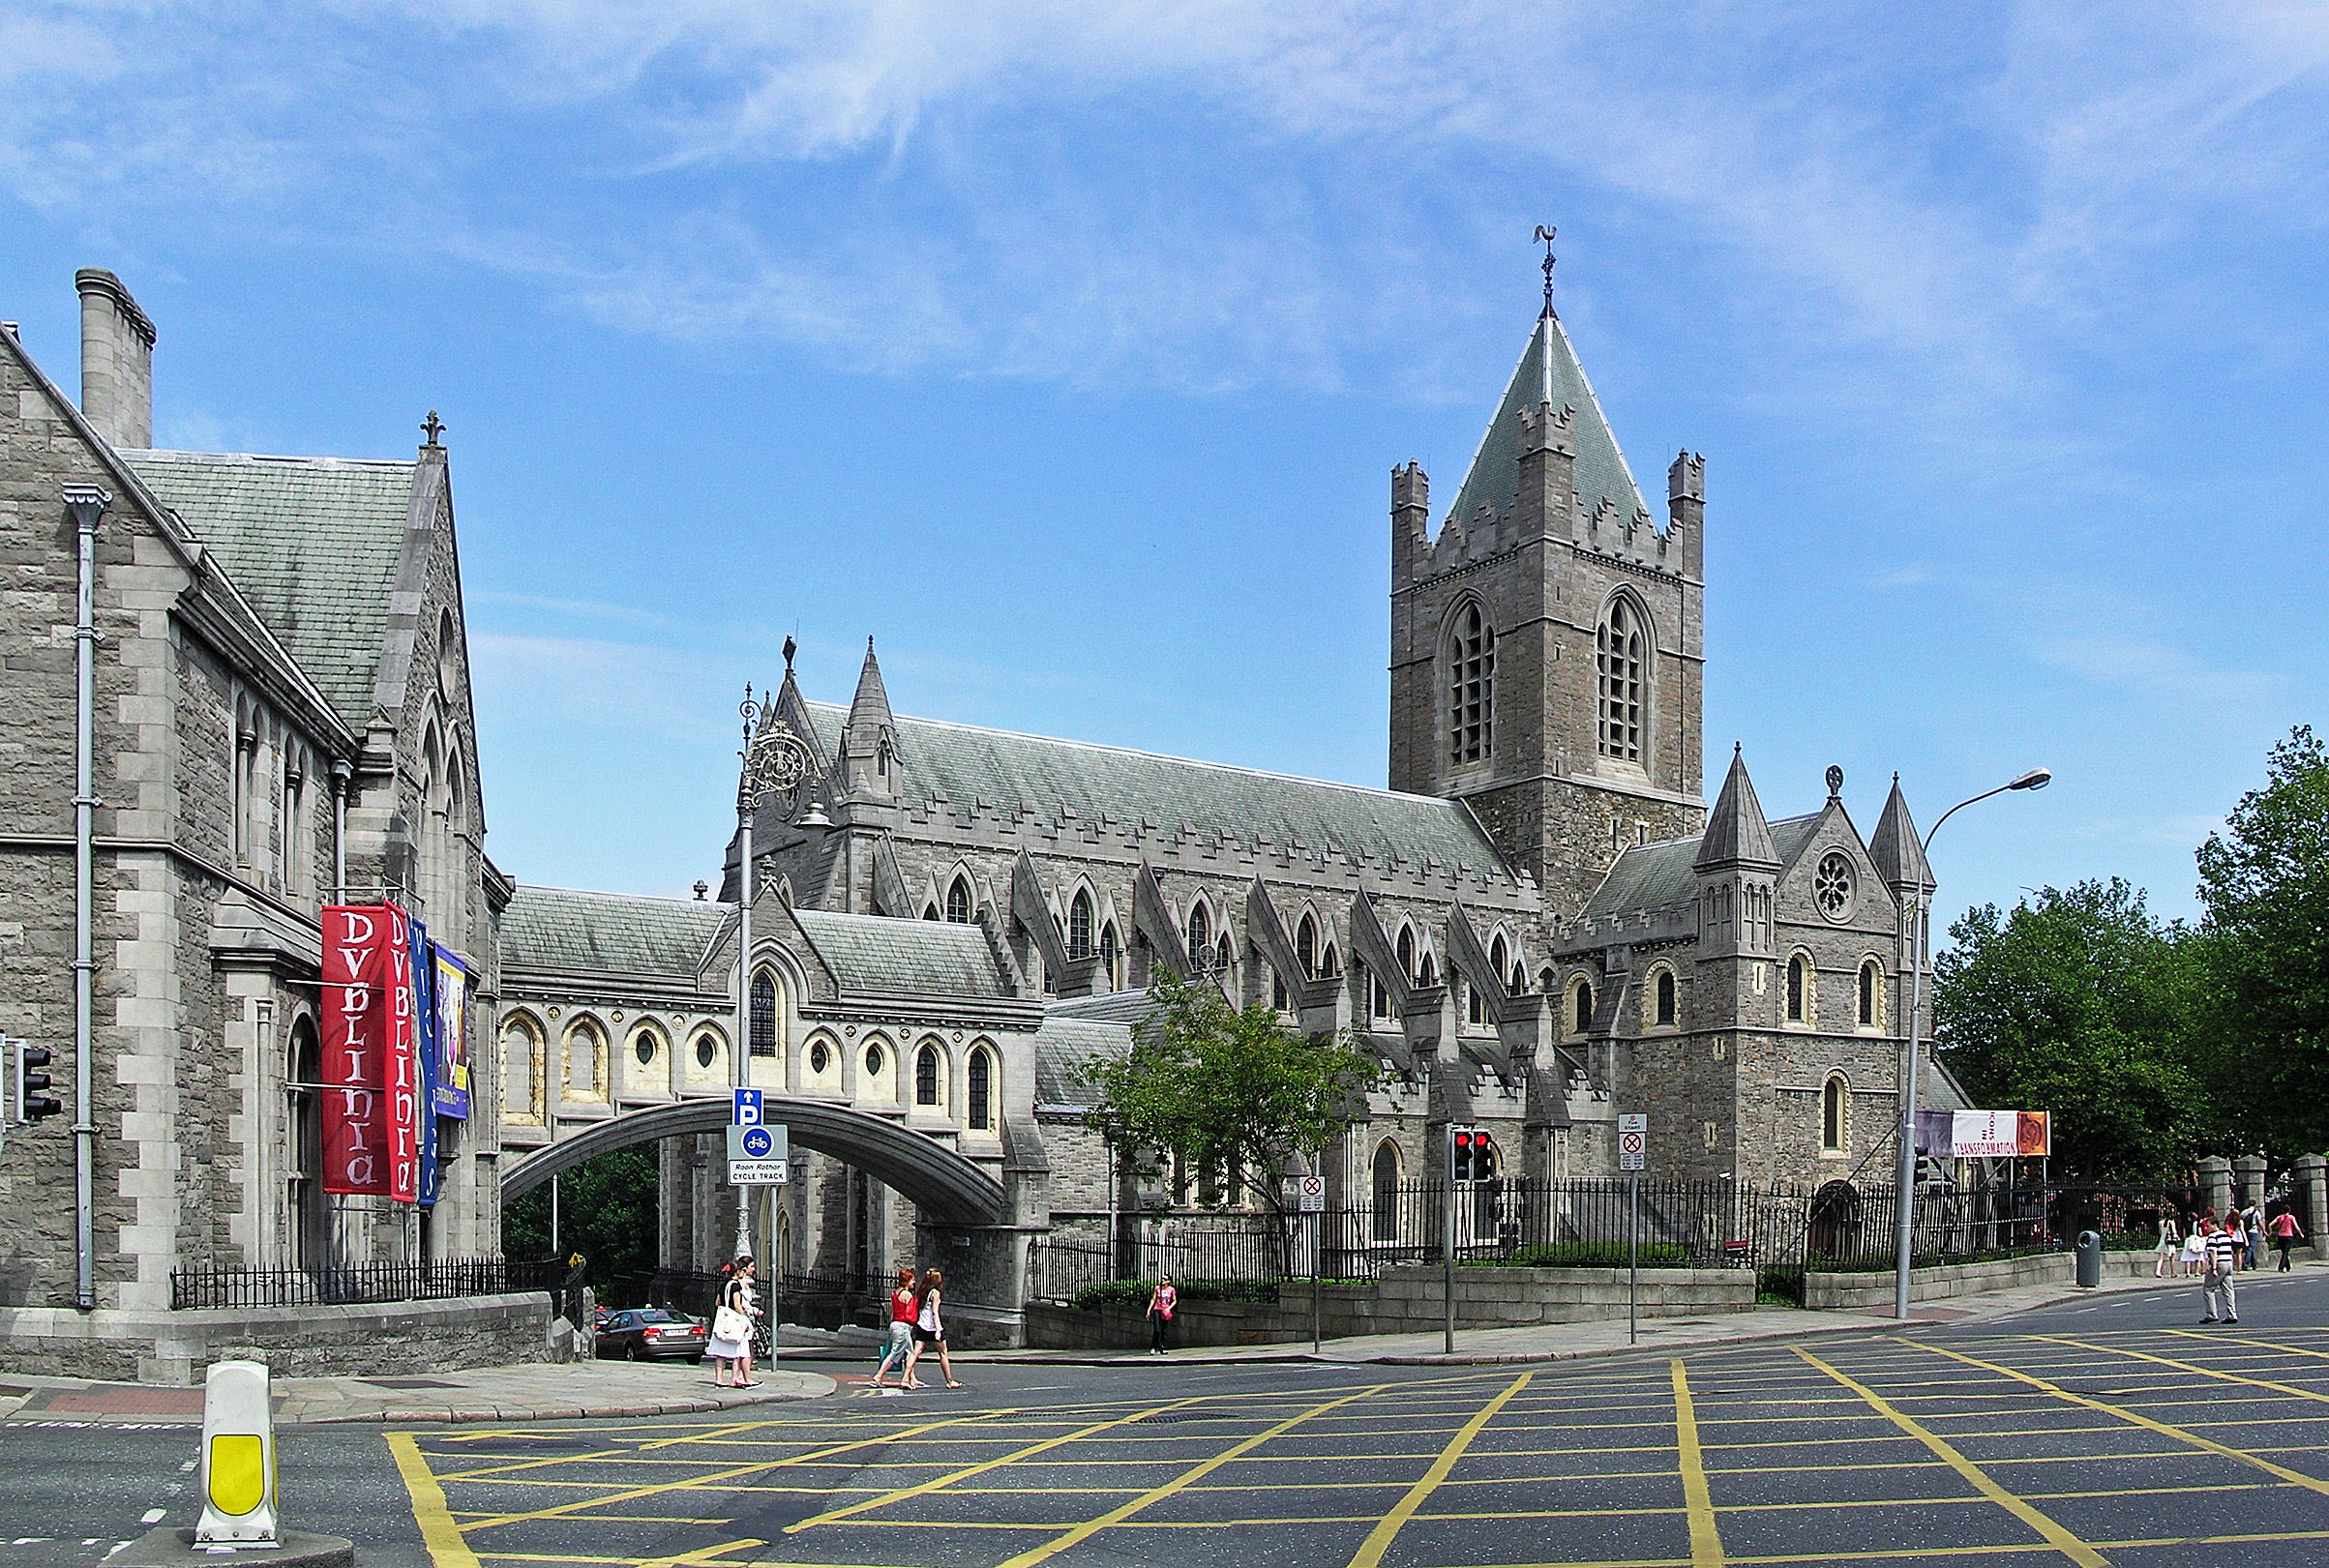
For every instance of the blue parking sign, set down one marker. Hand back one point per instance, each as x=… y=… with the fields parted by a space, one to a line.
x=747 y=1108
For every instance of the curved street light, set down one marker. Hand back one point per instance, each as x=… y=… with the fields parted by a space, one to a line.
x=1912 y=1061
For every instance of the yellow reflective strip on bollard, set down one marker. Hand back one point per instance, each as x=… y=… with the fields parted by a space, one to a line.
x=238 y=1472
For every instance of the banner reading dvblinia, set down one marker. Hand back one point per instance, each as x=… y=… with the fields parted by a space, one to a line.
x=370 y=1066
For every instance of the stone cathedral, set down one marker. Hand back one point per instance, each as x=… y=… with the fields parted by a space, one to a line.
x=1538 y=925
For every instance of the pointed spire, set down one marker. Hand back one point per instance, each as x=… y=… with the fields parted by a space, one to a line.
x=1898 y=849
x=1736 y=833
x=869 y=709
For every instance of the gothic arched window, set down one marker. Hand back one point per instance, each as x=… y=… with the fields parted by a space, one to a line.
x=764 y=1015
x=1385 y=1192
x=1407 y=954
x=982 y=1089
x=1225 y=957
x=926 y=1075
x=1665 y=996
x=1618 y=665
x=958 y=902
x=1869 y=980
x=1472 y=687
x=1799 y=987
x=1079 y=926
x=1306 y=947
x=1329 y=967
x=1835 y=1114
x=1108 y=951
x=1200 y=934
x=1581 y=1009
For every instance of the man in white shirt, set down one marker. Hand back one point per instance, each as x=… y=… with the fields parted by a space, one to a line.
x=2224 y=1257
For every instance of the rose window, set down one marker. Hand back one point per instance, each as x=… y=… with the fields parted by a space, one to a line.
x=1831 y=886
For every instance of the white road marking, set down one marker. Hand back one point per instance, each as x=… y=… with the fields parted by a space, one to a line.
x=153 y=1516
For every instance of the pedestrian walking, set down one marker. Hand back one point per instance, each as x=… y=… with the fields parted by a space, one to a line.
x=1161 y=1302
x=930 y=1329
x=730 y=1346
x=2285 y=1232
x=2223 y=1259
x=2251 y=1229
x=2170 y=1243
x=904 y=1306
x=2196 y=1244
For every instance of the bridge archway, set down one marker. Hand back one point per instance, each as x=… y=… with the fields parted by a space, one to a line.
x=925 y=1172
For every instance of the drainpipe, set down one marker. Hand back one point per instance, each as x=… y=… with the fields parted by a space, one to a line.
x=341 y=773
x=87 y=503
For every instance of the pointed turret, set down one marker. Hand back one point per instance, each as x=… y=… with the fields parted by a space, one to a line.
x=869 y=737
x=1736 y=833
x=1898 y=849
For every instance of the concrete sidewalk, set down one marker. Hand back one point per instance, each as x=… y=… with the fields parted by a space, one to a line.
x=1566 y=1342
x=579 y=1390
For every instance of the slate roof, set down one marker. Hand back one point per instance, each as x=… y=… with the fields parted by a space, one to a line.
x=1062 y=1048
x=1494 y=477
x=1789 y=834
x=1125 y=1007
x=1648 y=876
x=562 y=929
x=312 y=541
x=929 y=957
x=964 y=765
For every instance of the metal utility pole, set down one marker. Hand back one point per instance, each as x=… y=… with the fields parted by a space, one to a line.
x=1912 y=1059
x=87 y=503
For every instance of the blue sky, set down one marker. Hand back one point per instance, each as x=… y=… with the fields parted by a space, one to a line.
x=1066 y=348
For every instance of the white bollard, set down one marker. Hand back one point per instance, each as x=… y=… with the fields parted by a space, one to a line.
x=238 y=1456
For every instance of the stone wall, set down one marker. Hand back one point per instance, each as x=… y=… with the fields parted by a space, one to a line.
x=1871 y=1292
x=381 y=1340
x=1406 y=1301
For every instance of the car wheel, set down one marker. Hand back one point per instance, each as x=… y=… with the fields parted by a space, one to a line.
x=631 y=1351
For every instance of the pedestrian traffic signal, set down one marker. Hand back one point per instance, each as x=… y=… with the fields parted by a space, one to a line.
x=1471 y=1157
x=34 y=1101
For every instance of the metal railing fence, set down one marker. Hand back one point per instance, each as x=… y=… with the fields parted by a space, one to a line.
x=429 y=1280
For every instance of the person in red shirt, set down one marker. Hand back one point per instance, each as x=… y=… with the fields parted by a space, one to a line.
x=2285 y=1233
x=903 y=1307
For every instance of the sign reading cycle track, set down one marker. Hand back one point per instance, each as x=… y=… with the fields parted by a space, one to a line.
x=759 y=1155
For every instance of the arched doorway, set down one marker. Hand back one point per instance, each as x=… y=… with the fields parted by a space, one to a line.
x=303 y=1086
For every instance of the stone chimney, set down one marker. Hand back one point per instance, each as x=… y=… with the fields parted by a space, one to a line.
x=117 y=361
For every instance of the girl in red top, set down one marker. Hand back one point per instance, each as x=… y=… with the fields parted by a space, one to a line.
x=903 y=1308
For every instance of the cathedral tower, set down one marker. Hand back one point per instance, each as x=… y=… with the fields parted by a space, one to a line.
x=1547 y=651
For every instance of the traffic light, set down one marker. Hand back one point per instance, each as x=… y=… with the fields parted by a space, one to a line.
x=34 y=1101
x=1465 y=1147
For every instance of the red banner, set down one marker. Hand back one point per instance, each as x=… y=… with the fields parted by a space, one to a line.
x=371 y=1103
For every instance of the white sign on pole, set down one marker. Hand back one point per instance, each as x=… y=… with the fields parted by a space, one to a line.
x=759 y=1156
x=1312 y=1197
x=747 y=1111
x=1633 y=1141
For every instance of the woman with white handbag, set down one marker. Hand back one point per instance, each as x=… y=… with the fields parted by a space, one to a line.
x=730 y=1346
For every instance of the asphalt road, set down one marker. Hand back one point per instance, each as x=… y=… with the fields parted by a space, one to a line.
x=2121 y=1432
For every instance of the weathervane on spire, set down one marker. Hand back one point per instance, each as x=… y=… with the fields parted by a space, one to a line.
x=1545 y=232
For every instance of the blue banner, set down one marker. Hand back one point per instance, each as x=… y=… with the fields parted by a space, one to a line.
x=449 y=990
x=423 y=1040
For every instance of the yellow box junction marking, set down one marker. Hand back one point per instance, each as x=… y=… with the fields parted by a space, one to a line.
x=1370 y=1550
x=2289 y=1389
x=2246 y=1343
x=2136 y=1417
x=2061 y=1539
x=711 y=1479
x=927 y=1487
x=1706 y=1540
x=1186 y=1478
x=439 y=1533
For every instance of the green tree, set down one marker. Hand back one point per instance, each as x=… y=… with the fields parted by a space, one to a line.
x=2264 y=887
x=606 y=1212
x=1233 y=1093
x=2079 y=1004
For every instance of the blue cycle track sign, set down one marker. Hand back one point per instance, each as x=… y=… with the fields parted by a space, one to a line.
x=759 y=1142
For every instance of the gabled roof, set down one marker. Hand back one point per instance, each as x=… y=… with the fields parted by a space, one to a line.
x=1494 y=478
x=964 y=766
x=568 y=930
x=313 y=544
x=1064 y=1047
x=923 y=958
x=1790 y=836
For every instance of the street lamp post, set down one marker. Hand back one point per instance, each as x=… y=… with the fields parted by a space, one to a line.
x=775 y=765
x=1921 y=957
